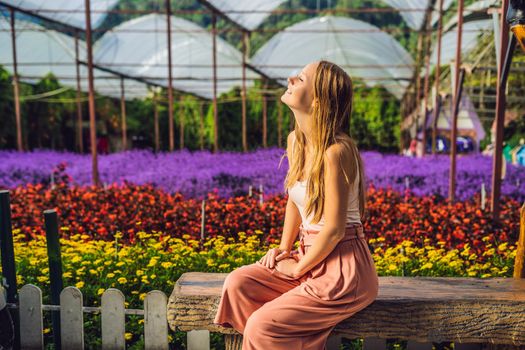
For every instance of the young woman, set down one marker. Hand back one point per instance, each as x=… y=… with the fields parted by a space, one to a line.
x=293 y=300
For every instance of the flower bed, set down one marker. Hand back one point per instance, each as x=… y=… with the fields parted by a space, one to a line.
x=100 y=213
x=156 y=261
x=195 y=174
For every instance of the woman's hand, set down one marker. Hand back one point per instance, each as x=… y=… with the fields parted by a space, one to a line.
x=288 y=267
x=272 y=256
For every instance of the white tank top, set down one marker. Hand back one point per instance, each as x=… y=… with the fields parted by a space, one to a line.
x=297 y=194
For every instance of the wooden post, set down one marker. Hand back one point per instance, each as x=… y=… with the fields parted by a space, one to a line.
x=452 y=179
x=55 y=267
x=436 y=77
x=16 y=88
x=7 y=254
x=6 y=248
x=91 y=94
x=215 y=112
x=519 y=262
x=80 y=139
x=170 y=82
x=123 y=115
x=243 y=91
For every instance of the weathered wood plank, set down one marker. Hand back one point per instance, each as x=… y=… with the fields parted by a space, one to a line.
x=155 y=325
x=198 y=340
x=71 y=319
x=113 y=320
x=31 y=324
x=422 y=309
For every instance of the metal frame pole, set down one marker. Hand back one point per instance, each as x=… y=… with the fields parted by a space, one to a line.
x=453 y=150
x=170 y=83
x=16 y=87
x=181 y=121
x=91 y=94
x=123 y=115
x=505 y=53
x=215 y=112
x=436 y=77
x=80 y=139
x=243 y=91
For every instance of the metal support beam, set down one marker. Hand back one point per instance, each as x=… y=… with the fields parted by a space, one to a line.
x=215 y=111
x=452 y=179
x=243 y=91
x=436 y=77
x=123 y=115
x=170 y=82
x=16 y=88
x=80 y=138
x=91 y=95
x=505 y=59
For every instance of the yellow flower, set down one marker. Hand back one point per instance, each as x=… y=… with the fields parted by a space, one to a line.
x=142 y=296
x=153 y=276
x=110 y=275
x=67 y=274
x=42 y=278
x=140 y=273
x=122 y=280
x=79 y=284
x=128 y=336
x=153 y=261
x=166 y=264
x=427 y=266
x=100 y=291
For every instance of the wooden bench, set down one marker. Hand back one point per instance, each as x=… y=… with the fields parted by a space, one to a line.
x=421 y=310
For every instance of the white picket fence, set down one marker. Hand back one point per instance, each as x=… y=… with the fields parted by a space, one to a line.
x=71 y=308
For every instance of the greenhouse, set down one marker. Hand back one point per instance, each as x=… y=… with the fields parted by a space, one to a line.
x=278 y=174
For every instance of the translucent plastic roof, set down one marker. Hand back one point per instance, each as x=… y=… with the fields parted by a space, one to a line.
x=478 y=10
x=413 y=11
x=470 y=35
x=139 y=48
x=249 y=14
x=366 y=52
x=41 y=51
x=69 y=12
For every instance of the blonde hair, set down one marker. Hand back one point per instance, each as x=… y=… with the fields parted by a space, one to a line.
x=330 y=116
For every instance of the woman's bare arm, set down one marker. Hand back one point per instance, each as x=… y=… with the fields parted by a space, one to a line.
x=292 y=217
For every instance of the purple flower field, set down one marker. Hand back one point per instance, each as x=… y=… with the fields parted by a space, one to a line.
x=196 y=173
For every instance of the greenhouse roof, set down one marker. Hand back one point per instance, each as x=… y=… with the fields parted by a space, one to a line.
x=248 y=14
x=41 y=51
x=139 y=48
x=361 y=49
x=470 y=35
x=69 y=12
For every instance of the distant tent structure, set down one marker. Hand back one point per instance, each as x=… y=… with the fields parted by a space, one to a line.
x=469 y=125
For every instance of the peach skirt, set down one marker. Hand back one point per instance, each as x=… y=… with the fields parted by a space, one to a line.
x=274 y=311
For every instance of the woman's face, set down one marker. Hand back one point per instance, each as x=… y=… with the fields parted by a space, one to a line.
x=300 y=93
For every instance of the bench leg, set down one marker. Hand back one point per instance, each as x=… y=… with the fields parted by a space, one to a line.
x=414 y=345
x=233 y=341
x=198 y=340
x=467 y=346
x=334 y=341
x=374 y=343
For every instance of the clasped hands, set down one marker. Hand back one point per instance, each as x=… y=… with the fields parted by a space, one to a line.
x=282 y=261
